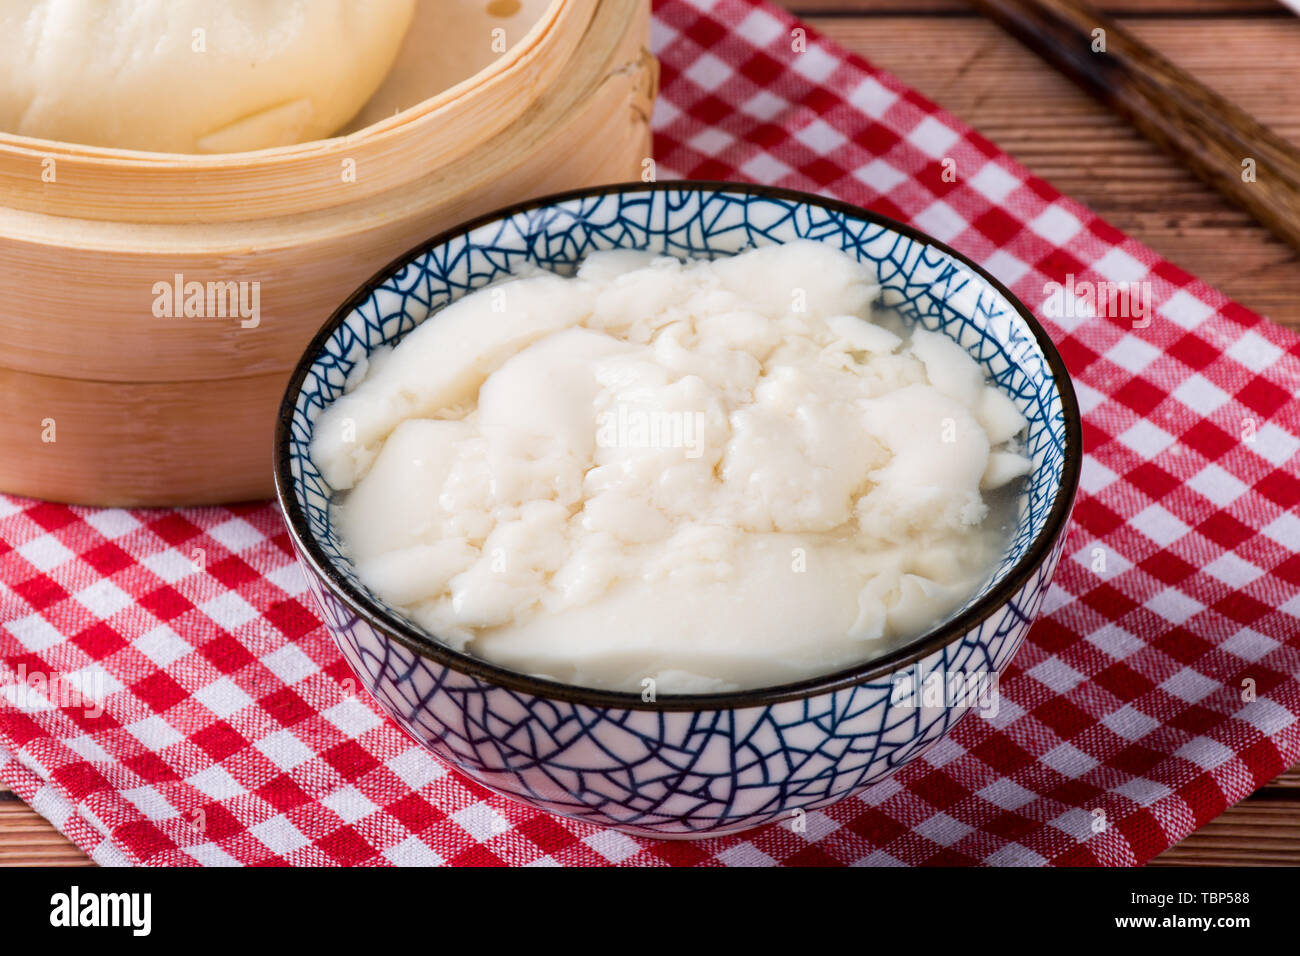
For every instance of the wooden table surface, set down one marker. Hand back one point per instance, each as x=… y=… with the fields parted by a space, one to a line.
x=1247 y=49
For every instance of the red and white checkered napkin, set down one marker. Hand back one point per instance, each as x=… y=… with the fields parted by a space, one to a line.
x=1160 y=687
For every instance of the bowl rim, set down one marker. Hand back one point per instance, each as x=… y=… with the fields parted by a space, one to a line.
x=416 y=640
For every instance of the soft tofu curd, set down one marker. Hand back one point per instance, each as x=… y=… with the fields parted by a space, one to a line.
x=674 y=476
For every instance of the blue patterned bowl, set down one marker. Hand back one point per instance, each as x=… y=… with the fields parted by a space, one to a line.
x=686 y=765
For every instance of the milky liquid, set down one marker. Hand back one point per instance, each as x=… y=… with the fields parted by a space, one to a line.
x=701 y=475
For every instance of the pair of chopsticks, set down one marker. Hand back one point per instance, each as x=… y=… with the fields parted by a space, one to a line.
x=1221 y=143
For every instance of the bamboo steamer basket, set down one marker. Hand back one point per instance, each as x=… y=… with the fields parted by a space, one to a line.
x=104 y=402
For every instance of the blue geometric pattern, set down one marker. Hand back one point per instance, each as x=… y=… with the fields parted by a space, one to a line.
x=613 y=759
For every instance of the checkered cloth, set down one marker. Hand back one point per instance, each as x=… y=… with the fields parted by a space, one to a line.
x=1159 y=687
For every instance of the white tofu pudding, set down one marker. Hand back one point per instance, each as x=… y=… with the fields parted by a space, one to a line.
x=677 y=476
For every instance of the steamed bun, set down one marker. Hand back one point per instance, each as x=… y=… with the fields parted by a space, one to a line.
x=192 y=76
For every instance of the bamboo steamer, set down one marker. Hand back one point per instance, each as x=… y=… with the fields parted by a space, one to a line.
x=106 y=400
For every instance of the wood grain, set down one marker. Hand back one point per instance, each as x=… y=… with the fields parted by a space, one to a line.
x=985 y=77
x=1263 y=830
x=1231 y=151
x=27 y=839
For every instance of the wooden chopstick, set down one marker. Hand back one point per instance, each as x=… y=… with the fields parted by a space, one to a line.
x=1225 y=146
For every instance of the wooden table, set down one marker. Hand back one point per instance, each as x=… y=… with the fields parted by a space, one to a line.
x=1248 y=49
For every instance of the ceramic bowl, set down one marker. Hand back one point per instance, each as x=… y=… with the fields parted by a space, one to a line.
x=686 y=765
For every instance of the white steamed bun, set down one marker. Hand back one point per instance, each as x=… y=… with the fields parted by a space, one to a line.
x=192 y=76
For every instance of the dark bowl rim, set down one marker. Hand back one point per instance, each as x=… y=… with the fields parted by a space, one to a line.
x=424 y=645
